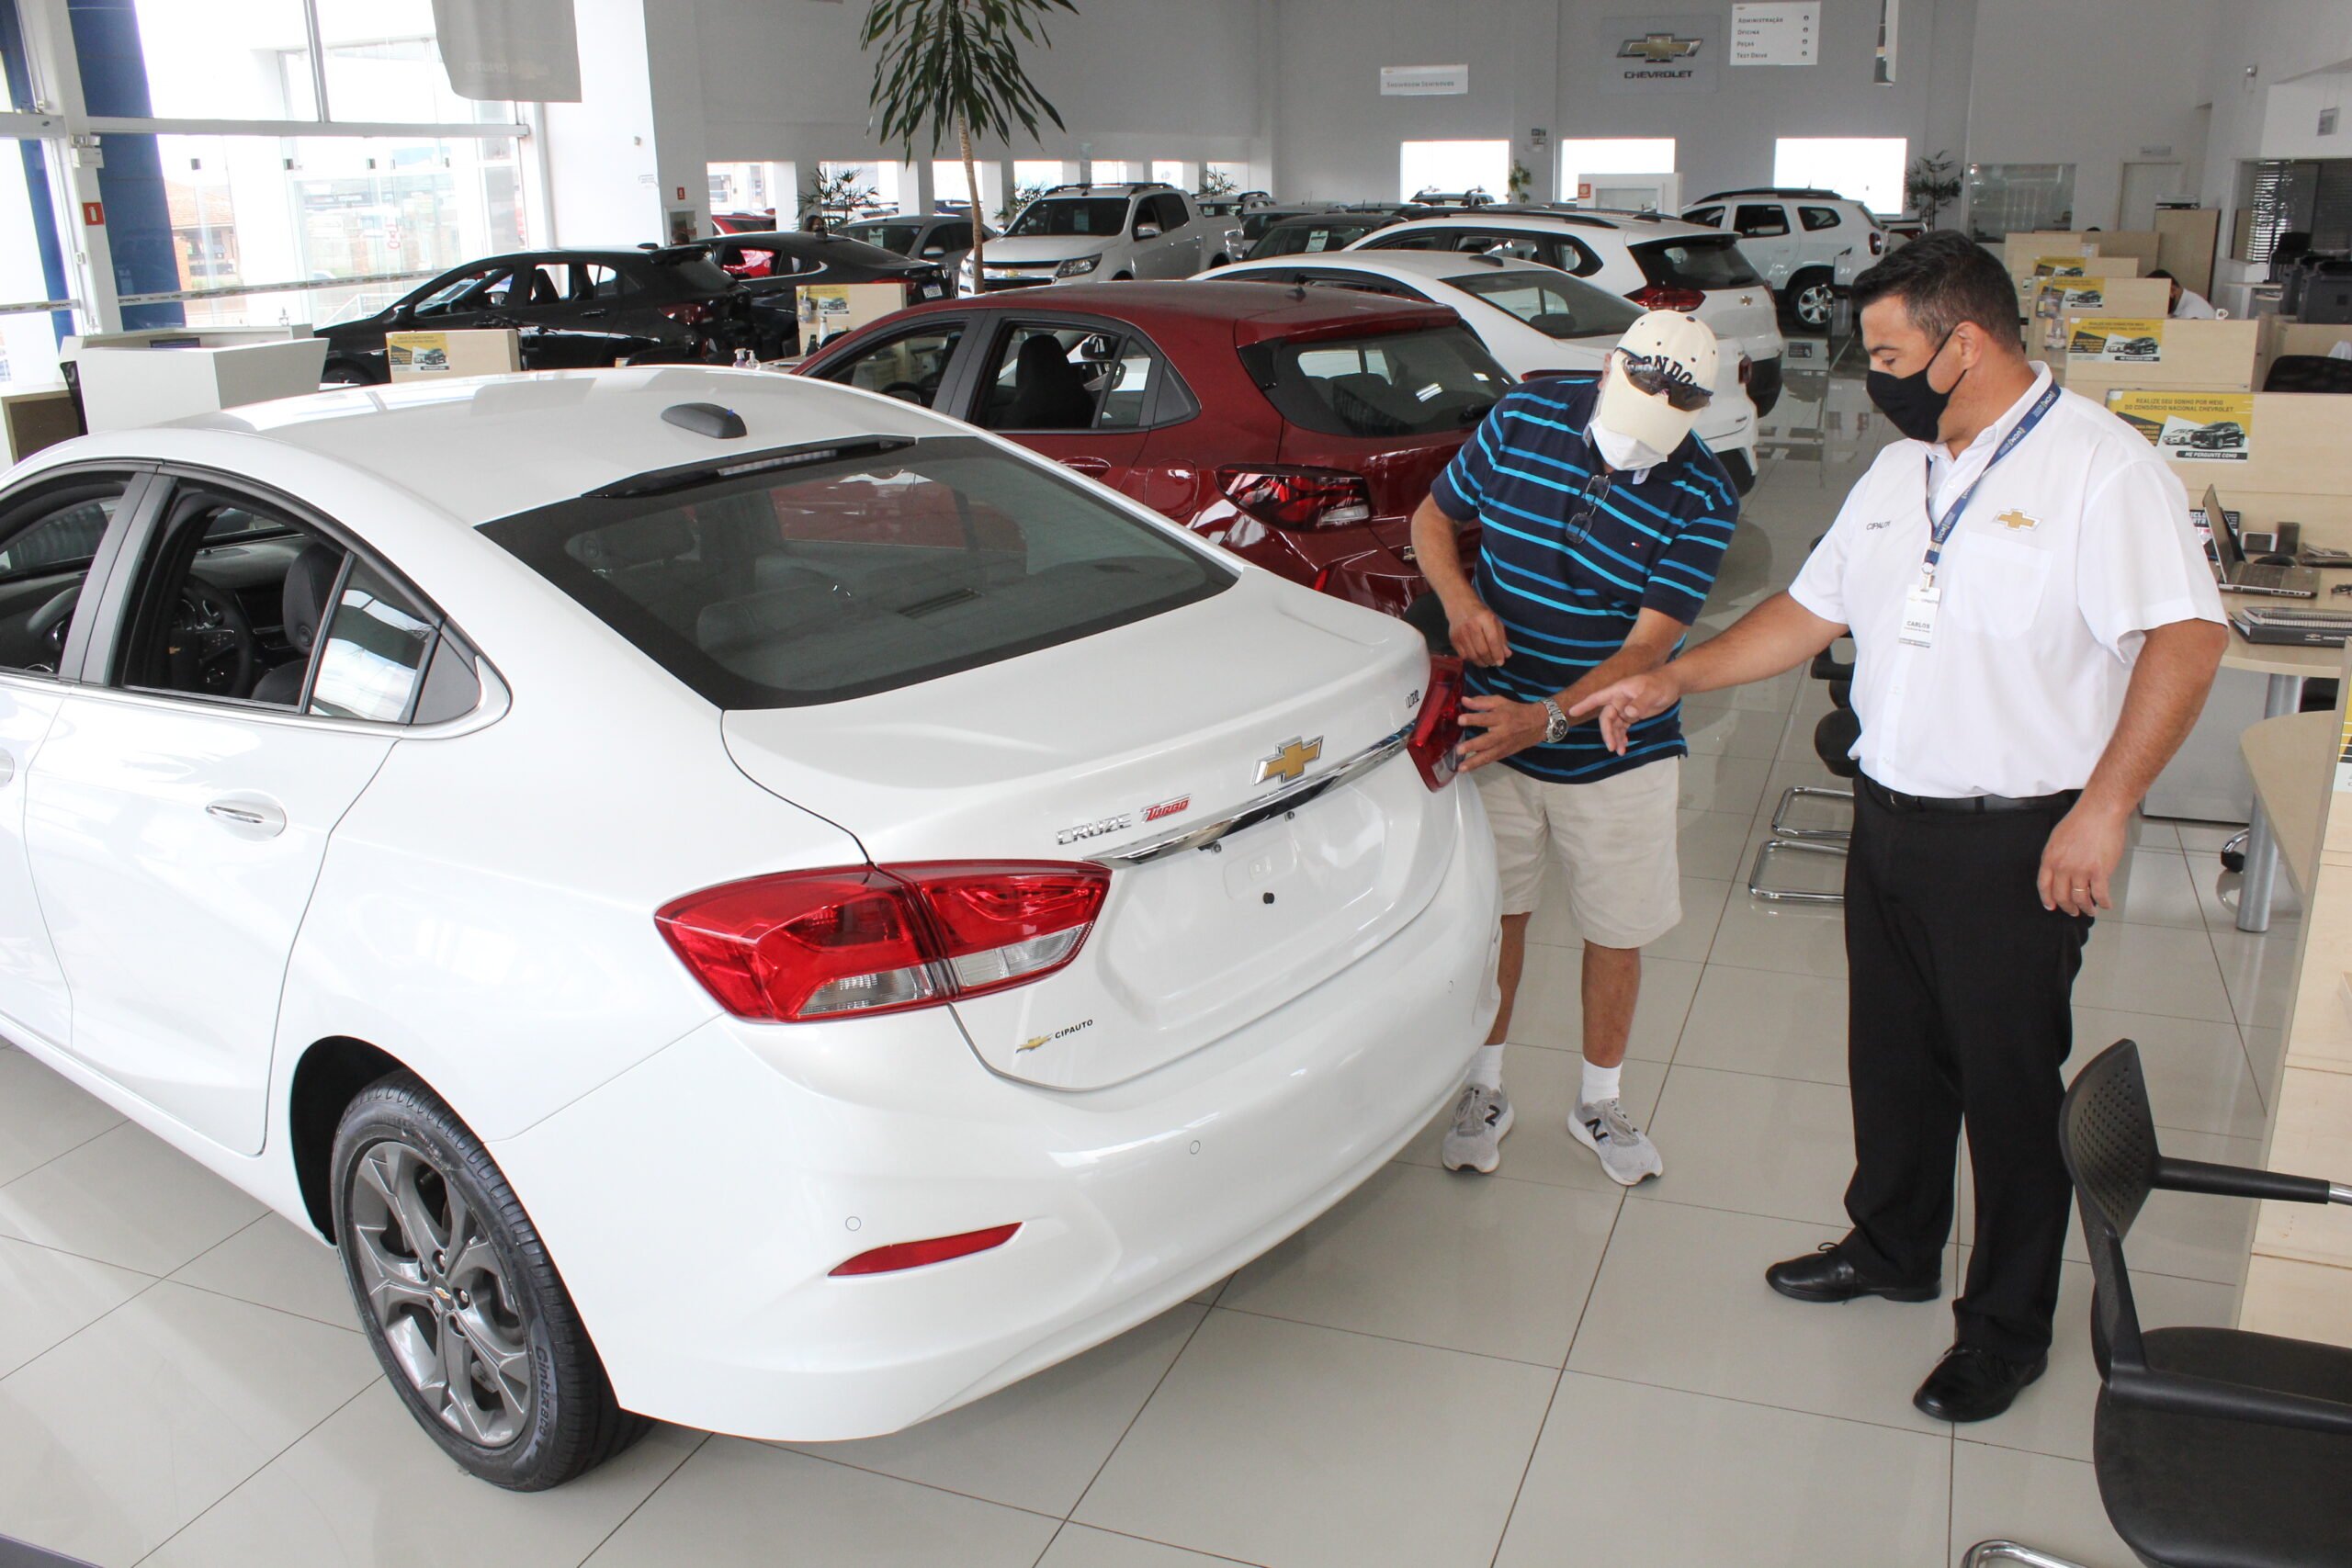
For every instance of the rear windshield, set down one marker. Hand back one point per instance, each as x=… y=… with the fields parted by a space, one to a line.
x=852 y=575
x=899 y=237
x=1071 y=215
x=1557 y=307
x=1413 y=383
x=1711 y=262
x=1301 y=238
x=696 y=272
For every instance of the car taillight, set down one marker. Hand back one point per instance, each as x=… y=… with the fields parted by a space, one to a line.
x=692 y=314
x=1437 y=735
x=864 y=940
x=1877 y=242
x=1666 y=297
x=1298 y=498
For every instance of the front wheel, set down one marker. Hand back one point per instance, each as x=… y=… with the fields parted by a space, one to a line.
x=460 y=1301
x=1812 y=299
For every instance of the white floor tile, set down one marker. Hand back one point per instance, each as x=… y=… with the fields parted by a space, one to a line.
x=1754 y=1020
x=1776 y=1146
x=1543 y=1088
x=43 y=1116
x=1733 y=732
x=1549 y=1011
x=1709 y=844
x=2151 y=887
x=274 y=1263
x=127 y=1198
x=1681 y=1303
x=1287 y=1445
x=133 y=1427
x=46 y=1297
x=1036 y=1444
x=2266 y=1049
x=738 y=1504
x=1495 y=1267
x=1684 y=1481
x=1795 y=938
x=1723 y=784
x=367 y=1487
x=2128 y=968
x=1081 y=1546
x=2050 y=1505
x=2198 y=1075
x=2258 y=972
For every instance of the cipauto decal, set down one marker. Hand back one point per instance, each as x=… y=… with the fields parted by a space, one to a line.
x=2115 y=339
x=2191 y=427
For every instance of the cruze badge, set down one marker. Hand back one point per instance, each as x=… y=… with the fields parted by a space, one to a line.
x=1290 y=761
x=1096 y=828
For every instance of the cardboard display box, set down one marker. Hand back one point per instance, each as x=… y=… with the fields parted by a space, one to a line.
x=427 y=357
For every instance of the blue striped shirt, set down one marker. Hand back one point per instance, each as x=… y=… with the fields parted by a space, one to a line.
x=1568 y=587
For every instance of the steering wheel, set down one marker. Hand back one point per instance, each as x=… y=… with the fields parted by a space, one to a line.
x=50 y=623
x=922 y=391
x=212 y=648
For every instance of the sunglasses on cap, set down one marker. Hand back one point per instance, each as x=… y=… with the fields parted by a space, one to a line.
x=1661 y=378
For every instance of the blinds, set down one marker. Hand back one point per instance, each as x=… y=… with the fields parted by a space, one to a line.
x=2280 y=195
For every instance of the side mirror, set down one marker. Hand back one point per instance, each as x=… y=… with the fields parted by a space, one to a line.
x=1147 y=231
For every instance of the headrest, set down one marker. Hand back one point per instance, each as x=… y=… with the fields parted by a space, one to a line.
x=308 y=583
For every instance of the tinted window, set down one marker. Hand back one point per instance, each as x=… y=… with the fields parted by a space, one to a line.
x=1071 y=215
x=860 y=573
x=1307 y=239
x=1762 y=220
x=467 y=291
x=908 y=366
x=46 y=548
x=1696 y=264
x=1705 y=216
x=593 y=280
x=1818 y=218
x=1047 y=377
x=373 y=656
x=697 y=274
x=1414 y=383
x=953 y=237
x=1167 y=212
x=899 y=237
x=1557 y=307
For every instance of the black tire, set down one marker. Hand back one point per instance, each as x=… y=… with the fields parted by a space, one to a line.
x=1221 y=261
x=1811 y=299
x=344 y=373
x=1122 y=277
x=571 y=1424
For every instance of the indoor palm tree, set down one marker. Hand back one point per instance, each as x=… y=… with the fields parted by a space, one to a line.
x=957 y=64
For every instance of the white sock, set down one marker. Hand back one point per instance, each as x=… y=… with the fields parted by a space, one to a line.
x=1486 y=1068
x=1600 y=1084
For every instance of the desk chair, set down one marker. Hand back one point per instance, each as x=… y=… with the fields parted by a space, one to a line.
x=1833 y=739
x=2214 y=1448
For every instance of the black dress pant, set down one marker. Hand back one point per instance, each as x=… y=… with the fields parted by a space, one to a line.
x=1958 y=1002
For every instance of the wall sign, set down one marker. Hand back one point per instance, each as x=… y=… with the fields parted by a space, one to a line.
x=1659 y=54
x=1424 y=81
x=93 y=214
x=1785 y=34
x=510 y=49
x=2191 y=427
x=2115 y=339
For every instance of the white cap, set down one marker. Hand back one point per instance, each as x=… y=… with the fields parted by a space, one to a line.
x=1679 y=345
x=1684 y=348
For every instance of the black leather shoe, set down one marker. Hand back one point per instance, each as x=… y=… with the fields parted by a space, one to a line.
x=1829 y=1275
x=1971 y=1383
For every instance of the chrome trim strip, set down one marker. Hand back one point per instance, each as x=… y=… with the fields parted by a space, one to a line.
x=1290 y=797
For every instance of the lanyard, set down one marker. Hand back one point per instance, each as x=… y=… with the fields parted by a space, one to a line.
x=1941 y=532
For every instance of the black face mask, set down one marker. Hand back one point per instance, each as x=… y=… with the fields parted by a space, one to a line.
x=1913 y=406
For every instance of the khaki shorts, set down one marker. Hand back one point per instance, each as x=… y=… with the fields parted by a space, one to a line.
x=1614 y=838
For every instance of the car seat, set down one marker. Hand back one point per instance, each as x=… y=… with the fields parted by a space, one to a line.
x=309 y=582
x=1048 y=391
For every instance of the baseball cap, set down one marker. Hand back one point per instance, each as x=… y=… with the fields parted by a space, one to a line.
x=1667 y=344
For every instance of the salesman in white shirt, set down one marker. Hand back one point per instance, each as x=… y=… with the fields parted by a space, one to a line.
x=2188 y=305
x=2035 y=629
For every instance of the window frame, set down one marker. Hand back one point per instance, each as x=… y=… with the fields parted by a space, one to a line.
x=1170 y=402
x=1778 y=209
x=1837 y=219
x=952 y=378
x=91 y=609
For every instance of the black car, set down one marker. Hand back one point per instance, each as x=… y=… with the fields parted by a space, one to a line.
x=772 y=268
x=1334 y=228
x=572 y=309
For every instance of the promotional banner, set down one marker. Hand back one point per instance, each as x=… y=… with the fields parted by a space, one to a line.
x=2117 y=340
x=2058 y=266
x=1659 y=54
x=2191 y=427
x=525 y=50
x=418 y=354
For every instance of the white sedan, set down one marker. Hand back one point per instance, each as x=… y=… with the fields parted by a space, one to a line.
x=1533 y=318
x=728 y=898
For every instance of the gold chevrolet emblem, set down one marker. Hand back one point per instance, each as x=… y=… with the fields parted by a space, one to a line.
x=2016 y=521
x=1033 y=1044
x=1290 y=763
x=1657 y=48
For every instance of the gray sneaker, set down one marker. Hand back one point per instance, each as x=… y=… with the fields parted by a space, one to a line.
x=1481 y=1117
x=1625 y=1153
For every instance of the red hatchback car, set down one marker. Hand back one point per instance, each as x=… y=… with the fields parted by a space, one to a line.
x=1299 y=428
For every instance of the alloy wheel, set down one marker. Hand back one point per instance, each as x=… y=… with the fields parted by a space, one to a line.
x=1815 y=301
x=439 y=1292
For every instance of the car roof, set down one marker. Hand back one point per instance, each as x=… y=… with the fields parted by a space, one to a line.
x=1416 y=266
x=1254 y=311
x=1635 y=228
x=486 y=448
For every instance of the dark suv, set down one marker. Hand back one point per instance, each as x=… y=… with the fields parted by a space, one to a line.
x=572 y=309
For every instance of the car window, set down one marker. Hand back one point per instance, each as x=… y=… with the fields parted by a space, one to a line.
x=538 y=286
x=1066 y=214
x=1363 y=282
x=953 y=237
x=1713 y=262
x=858 y=572
x=694 y=274
x=908 y=366
x=1128 y=384
x=373 y=656
x=1762 y=219
x=594 y=280
x=1418 y=240
x=1422 y=382
x=469 y=290
x=899 y=237
x=1310 y=239
x=1815 y=219
x=1163 y=211
x=1047 y=378
x=46 y=543
x=1557 y=307
x=1705 y=216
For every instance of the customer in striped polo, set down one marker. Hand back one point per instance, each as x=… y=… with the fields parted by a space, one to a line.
x=1601 y=522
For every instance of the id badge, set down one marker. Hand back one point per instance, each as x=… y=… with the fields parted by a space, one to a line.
x=1919 y=616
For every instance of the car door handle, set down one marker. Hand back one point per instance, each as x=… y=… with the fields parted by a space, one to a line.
x=249 y=816
x=1094 y=468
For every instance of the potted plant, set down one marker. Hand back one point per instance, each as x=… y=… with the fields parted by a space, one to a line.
x=1522 y=180
x=1931 y=187
x=955 y=64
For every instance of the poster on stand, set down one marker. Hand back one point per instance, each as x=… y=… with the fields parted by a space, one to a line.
x=2115 y=339
x=2191 y=427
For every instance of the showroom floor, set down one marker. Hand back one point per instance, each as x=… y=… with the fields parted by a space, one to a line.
x=1447 y=1371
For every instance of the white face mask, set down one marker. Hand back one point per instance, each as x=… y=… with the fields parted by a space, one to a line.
x=1645 y=429
x=1623 y=452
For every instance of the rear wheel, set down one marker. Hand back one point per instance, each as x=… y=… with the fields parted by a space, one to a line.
x=342 y=372
x=459 y=1299
x=1812 y=299
x=1222 y=261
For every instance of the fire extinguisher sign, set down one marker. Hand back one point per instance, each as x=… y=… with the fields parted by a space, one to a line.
x=93 y=214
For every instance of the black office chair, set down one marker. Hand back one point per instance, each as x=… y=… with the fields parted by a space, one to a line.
x=1833 y=742
x=2214 y=1448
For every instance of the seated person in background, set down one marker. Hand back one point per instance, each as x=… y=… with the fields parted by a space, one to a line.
x=2187 y=306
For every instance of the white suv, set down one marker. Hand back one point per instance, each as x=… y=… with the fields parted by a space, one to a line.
x=1105 y=233
x=1809 y=245
x=1659 y=264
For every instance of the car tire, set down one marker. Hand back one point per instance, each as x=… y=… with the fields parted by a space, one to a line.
x=476 y=1296
x=344 y=373
x=1122 y=277
x=1812 y=299
x=1741 y=469
x=1221 y=261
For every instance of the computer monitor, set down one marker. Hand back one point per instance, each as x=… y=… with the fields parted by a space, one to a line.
x=2224 y=535
x=2327 y=299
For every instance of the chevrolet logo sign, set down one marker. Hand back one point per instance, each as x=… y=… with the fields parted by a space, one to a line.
x=1657 y=48
x=1290 y=763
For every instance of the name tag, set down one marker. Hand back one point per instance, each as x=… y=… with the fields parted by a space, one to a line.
x=1919 y=616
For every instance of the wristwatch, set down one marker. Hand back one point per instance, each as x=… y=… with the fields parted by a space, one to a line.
x=1555 y=723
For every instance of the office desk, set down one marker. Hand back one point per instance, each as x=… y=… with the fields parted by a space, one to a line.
x=2287 y=668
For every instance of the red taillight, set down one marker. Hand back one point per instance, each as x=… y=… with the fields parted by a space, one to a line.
x=1437 y=735
x=692 y=314
x=1666 y=297
x=1298 y=498
x=865 y=940
x=1747 y=370
x=915 y=1253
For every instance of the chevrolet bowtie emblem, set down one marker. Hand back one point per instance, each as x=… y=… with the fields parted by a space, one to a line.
x=1657 y=48
x=2016 y=521
x=1290 y=763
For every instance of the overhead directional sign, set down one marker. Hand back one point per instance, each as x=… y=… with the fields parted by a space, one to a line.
x=1776 y=33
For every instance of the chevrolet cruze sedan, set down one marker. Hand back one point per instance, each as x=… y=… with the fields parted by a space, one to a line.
x=727 y=898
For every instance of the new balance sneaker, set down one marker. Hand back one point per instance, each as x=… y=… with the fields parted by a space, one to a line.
x=1625 y=1153
x=1481 y=1117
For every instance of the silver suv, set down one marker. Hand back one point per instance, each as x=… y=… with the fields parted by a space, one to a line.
x=1106 y=234
x=1808 y=243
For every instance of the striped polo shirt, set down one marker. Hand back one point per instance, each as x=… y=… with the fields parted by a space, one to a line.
x=1568 y=585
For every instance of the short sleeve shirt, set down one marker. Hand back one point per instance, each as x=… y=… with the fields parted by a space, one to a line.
x=2074 y=548
x=1570 y=553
